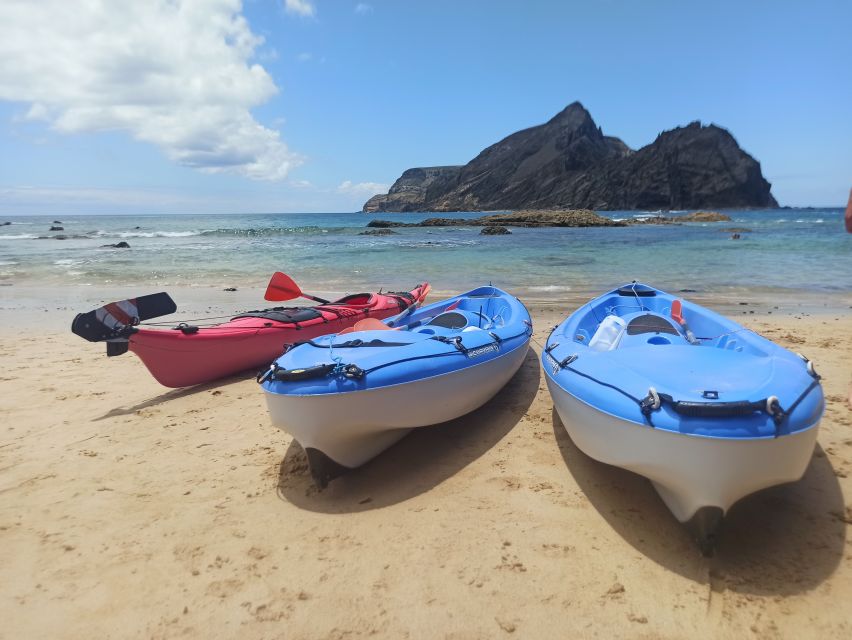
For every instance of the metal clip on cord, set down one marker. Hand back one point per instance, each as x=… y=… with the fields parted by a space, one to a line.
x=565 y=361
x=456 y=342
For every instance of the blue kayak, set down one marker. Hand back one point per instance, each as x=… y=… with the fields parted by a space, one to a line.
x=708 y=410
x=345 y=397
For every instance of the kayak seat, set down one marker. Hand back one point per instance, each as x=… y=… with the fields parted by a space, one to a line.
x=449 y=320
x=650 y=323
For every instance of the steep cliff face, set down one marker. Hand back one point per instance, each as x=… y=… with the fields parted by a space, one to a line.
x=416 y=189
x=568 y=163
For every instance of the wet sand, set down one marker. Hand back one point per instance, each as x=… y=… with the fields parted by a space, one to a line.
x=130 y=510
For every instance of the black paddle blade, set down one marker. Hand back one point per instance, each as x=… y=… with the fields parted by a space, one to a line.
x=109 y=321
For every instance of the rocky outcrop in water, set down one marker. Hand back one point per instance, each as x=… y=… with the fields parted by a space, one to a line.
x=698 y=216
x=578 y=218
x=569 y=163
x=494 y=230
x=378 y=232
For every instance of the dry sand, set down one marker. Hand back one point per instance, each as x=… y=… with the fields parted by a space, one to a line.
x=128 y=510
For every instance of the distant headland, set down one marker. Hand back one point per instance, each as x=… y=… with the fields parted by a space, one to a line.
x=568 y=163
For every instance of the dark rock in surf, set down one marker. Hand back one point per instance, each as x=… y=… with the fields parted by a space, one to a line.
x=569 y=163
x=386 y=224
x=57 y=222
x=117 y=245
x=229 y=289
x=494 y=231
x=378 y=232
x=56 y=229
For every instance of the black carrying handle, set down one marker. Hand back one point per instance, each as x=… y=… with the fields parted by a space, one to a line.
x=351 y=371
x=292 y=375
x=715 y=409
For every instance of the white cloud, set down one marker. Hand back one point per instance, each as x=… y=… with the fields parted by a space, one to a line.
x=362 y=188
x=174 y=73
x=303 y=8
x=304 y=57
x=363 y=8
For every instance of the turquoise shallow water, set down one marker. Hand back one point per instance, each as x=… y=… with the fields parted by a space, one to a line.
x=787 y=249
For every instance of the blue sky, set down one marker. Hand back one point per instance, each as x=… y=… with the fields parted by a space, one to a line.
x=314 y=105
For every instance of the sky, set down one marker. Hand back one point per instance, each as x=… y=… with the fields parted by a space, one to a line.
x=264 y=106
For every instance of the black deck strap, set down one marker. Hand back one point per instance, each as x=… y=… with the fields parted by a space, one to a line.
x=813 y=385
x=456 y=342
x=286 y=315
x=404 y=299
x=335 y=310
x=411 y=359
x=642 y=403
x=402 y=294
x=604 y=384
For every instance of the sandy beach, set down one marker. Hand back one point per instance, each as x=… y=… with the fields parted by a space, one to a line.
x=130 y=510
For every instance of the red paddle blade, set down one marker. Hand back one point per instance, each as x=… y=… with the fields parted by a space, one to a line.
x=677 y=311
x=281 y=287
x=453 y=306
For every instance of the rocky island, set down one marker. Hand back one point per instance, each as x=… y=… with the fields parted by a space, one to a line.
x=574 y=218
x=568 y=218
x=568 y=163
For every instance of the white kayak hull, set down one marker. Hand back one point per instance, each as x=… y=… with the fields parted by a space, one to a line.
x=351 y=428
x=689 y=472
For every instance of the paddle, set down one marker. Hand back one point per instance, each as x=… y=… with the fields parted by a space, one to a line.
x=677 y=316
x=281 y=287
x=105 y=322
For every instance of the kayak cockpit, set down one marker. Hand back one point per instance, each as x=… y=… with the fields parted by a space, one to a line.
x=606 y=327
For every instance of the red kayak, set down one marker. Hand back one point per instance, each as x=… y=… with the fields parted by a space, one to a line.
x=188 y=354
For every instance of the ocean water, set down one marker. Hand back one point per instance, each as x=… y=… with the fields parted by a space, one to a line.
x=786 y=250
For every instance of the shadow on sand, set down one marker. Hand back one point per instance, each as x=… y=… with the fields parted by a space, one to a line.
x=175 y=394
x=780 y=541
x=420 y=461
